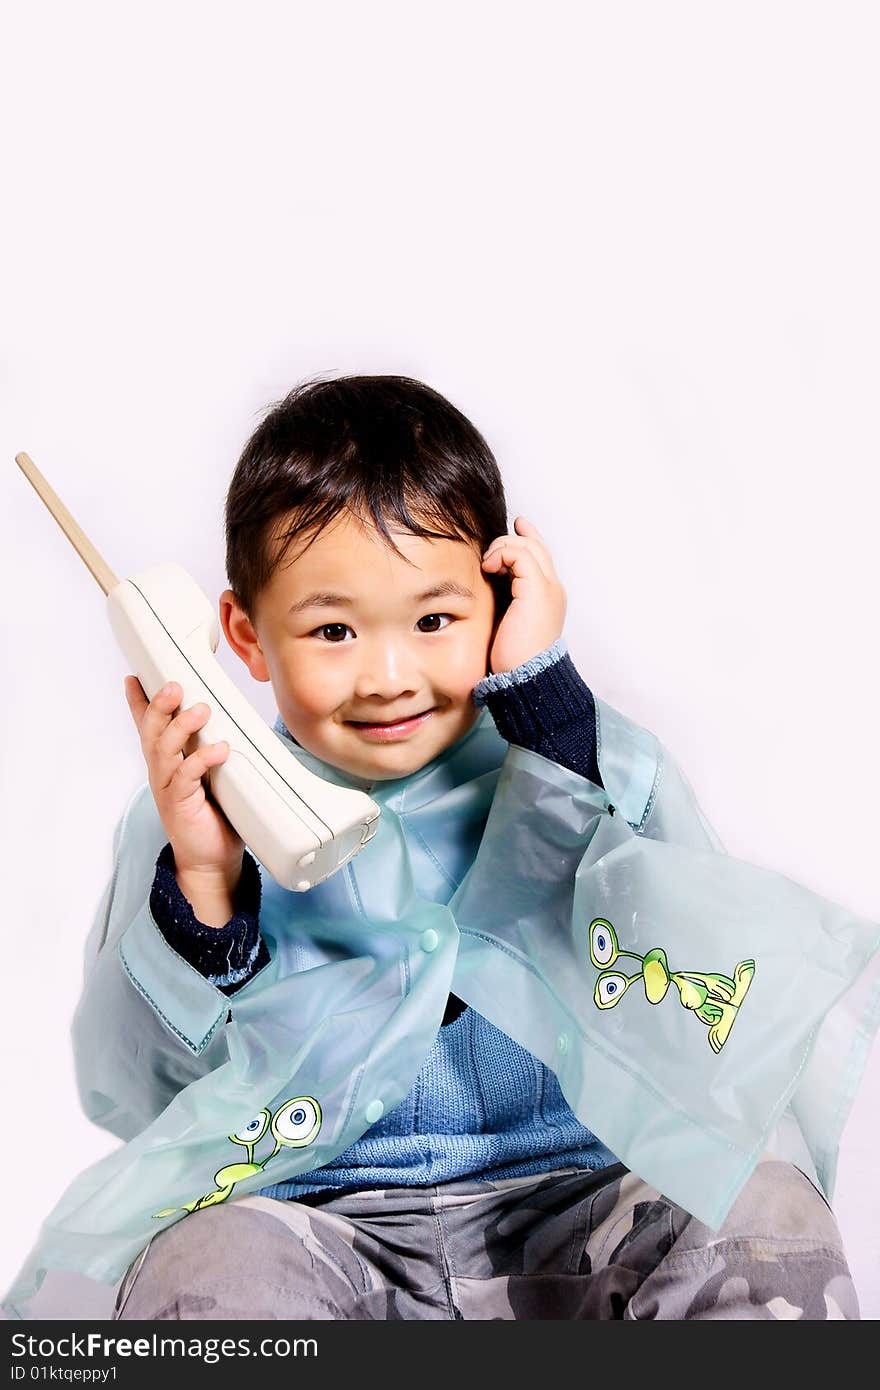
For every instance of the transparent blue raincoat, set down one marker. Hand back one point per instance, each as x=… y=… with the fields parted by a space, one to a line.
x=696 y=1009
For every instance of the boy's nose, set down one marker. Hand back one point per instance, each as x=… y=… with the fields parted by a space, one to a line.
x=389 y=692
x=387 y=673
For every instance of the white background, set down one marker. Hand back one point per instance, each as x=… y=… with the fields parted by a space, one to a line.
x=635 y=243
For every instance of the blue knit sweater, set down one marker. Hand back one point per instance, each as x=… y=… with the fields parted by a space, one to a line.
x=481 y=1107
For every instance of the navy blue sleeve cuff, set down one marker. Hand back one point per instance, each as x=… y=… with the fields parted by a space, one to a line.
x=545 y=706
x=227 y=956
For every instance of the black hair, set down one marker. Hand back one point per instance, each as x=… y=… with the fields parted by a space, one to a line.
x=385 y=447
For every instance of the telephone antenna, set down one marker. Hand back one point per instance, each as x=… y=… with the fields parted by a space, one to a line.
x=74 y=533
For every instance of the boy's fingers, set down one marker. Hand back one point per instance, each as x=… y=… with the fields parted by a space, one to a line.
x=162 y=738
x=137 y=700
x=190 y=772
x=542 y=550
x=171 y=744
x=532 y=540
x=159 y=713
x=160 y=710
x=523 y=560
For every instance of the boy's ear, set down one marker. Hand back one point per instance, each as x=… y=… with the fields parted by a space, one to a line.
x=241 y=635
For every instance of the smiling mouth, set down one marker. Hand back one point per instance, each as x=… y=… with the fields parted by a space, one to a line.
x=388 y=723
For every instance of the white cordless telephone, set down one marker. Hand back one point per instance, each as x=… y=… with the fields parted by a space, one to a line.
x=300 y=827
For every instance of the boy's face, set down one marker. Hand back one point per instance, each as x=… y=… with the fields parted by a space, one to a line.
x=378 y=652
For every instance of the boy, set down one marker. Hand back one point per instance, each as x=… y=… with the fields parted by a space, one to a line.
x=423 y=1163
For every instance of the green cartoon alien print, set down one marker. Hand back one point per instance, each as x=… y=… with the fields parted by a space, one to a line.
x=294 y=1125
x=713 y=997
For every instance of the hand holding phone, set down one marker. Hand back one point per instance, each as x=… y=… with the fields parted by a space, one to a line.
x=208 y=851
x=300 y=826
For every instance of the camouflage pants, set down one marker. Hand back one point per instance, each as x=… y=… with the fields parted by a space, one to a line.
x=568 y=1244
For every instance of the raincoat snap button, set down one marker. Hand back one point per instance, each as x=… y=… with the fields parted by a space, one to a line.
x=374 y=1111
x=430 y=940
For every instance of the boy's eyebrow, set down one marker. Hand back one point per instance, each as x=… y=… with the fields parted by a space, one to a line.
x=448 y=588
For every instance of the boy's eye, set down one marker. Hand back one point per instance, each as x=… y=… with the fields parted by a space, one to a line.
x=343 y=627
x=329 y=627
x=429 y=617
